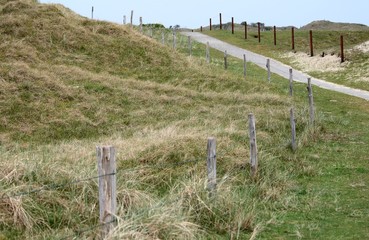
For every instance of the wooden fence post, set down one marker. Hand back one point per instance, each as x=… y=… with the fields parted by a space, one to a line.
x=211 y=166
x=293 y=38
x=232 y=25
x=92 y=12
x=220 y=21
x=268 y=67
x=245 y=30
x=225 y=60
x=293 y=129
x=141 y=24
x=275 y=35
x=253 y=146
x=124 y=19
x=207 y=52
x=107 y=187
x=342 y=50
x=311 y=44
x=190 y=45
x=311 y=102
x=259 y=32
x=244 y=66
x=210 y=26
x=291 y=82
x=132 y=19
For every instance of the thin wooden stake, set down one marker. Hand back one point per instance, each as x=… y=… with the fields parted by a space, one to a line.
x=225 y=60
x=245 y=30
x=107 y=187
x=131 y=18
x=244 y=66
x=92 y=12
x=124 y=20
x=291 y=82
x=141 y=25
x=259 y=37
x=311 y=44
x=211 y=166
x=311 y=102
x=253 y=146
x=293 y=130
x=293 y=38
x=268 y=67
x=275 y=35
x=342 y=50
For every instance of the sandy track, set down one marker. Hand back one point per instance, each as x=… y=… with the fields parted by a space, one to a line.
x=276 y=66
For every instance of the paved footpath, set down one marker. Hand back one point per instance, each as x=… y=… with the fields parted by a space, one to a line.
x=276 y=66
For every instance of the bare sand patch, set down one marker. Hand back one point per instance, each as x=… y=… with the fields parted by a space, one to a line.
x=364 y=47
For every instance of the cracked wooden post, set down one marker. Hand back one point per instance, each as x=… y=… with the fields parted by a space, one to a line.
x=244 y=66
x=293 y=130
x=211 y=166
x=107 y=188
x=291 y=82
x=253 y=146
x=311 y=102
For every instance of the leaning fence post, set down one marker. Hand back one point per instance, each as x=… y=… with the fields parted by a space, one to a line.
x=107 y=187
x=253 y=145
x=293 y=129
x=291 y=82
x=225 y=60
x=244 y=66
x=268 y=67
x=211 y=165
x=311 y=101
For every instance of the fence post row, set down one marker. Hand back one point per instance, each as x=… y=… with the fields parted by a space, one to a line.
x=253 y=145
x=107 y=187
x=293 y=129
x=211 y=166
x=311 y=101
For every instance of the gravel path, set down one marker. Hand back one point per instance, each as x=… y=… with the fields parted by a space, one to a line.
x=276 y=66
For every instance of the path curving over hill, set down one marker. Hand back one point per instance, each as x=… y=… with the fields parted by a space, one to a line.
x=276 y=66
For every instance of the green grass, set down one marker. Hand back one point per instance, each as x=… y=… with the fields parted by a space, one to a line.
x=63 y=93
x=354 y=72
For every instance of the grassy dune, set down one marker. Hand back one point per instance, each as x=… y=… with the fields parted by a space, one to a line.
x=69 y=83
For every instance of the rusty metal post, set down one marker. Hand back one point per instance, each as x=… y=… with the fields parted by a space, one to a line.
x=275 y=35
x=245 y=30
x=259 y=31
x=232 y=25
x=311 y=44
x=210 y=25
x=342 y=50
x=293 y=38
x=220 y=21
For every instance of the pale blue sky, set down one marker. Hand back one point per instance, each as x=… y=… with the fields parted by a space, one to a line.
x=194 y=13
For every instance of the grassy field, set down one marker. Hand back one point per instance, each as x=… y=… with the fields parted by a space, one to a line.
x=66 y=89
x=353 y=73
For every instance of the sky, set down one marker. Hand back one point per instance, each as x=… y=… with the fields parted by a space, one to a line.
x=196 y=13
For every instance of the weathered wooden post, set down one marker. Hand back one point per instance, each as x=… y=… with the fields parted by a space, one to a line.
x=275 y=35
x=245 y=30
x=207 y=52
x=311 y=44
x=131 y=18
x=211 y=166
x=259 y=32
x=107 y=187
x=232 y=25
x=124 y=20
x=210 y=26
x=244 y=66
x=225 y=60
x=220 y=21
x=291 y=82
x=141 y=25
x=268 y=67
x=92 y=12
x=293 y=38
x=253 y=146
x=190 y=45
x=293 y=129
x=311 y=102
x=342 y=50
